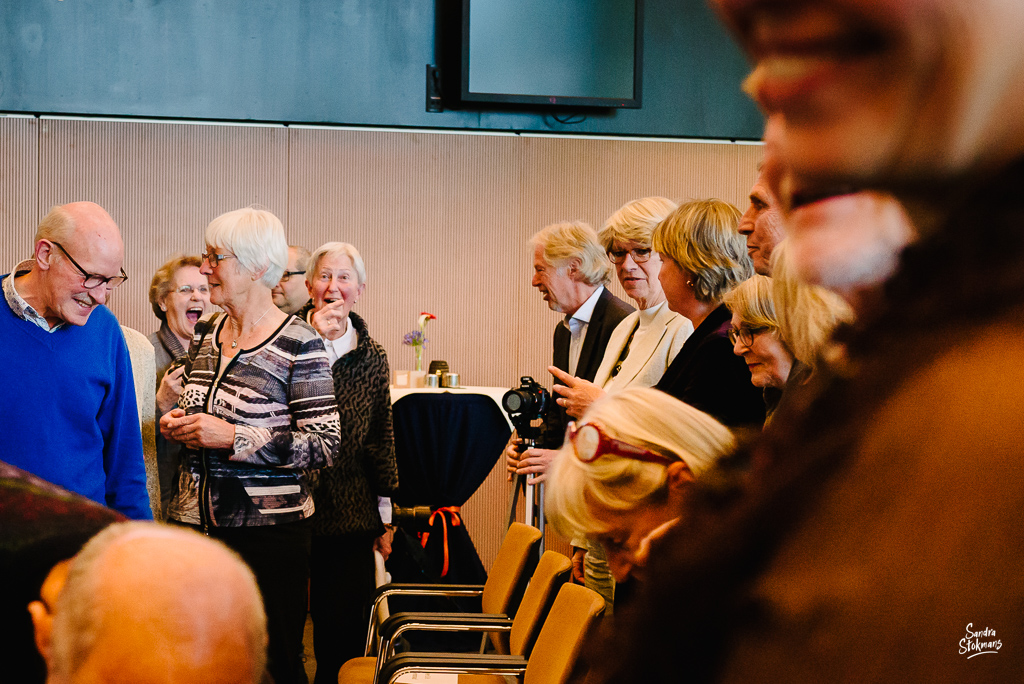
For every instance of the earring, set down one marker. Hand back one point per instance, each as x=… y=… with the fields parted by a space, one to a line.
x=689 y=283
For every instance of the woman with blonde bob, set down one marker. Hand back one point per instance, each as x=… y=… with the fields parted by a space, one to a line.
x=704 y=256
x=646 y=341
x=626 y=468
x=756 y=337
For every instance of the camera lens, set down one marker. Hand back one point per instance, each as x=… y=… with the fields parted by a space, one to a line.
x=512 y=401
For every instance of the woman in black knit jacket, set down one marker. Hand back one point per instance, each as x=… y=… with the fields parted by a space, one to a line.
x=347 y=525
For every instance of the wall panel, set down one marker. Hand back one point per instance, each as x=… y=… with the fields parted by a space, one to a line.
x=443 y=220
x=162 y=183
x=19 y=188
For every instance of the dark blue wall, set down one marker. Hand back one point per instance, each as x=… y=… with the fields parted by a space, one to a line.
x=358 y=62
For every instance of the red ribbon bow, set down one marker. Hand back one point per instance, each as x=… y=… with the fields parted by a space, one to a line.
x=453 y=512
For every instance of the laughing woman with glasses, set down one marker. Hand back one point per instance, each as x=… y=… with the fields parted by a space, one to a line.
x=625 y=470
x=255 y=418
x=180 y=296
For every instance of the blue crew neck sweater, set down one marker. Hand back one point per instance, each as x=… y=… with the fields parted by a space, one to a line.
x=68 y=412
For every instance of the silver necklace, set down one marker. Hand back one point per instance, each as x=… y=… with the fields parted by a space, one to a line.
x=234 y=342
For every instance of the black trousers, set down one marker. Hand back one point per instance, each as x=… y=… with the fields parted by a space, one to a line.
x=279 y=557
x=341 y=586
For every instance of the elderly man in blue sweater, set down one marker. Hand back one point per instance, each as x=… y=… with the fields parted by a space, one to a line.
x=68 y=412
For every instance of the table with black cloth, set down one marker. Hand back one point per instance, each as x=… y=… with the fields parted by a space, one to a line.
x=446 y=443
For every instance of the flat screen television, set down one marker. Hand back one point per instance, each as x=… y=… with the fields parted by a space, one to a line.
x=553 y=52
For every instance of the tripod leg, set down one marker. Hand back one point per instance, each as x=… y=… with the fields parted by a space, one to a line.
x=513 y=499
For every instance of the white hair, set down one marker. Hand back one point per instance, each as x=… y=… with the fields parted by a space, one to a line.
x=256 y=238
x=336 y=249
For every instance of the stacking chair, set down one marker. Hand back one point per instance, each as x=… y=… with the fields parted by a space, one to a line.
x=500 y=595
x=551 y=574
x=551 y=661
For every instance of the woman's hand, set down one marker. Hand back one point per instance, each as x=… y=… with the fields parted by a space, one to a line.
x=198 y=431
x=577 y=394
x=330 y=320
x=169 y=390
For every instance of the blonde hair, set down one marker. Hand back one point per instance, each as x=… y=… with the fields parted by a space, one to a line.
x=752 y=302
x=575 y=240
x=807 y=314
x=644 y=417
x=256 y=238
x=635 y=221
x=702 y=236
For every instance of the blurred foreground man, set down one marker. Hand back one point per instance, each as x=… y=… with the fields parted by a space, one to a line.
x=148 y=604
x=877 y=535
x=68 y=413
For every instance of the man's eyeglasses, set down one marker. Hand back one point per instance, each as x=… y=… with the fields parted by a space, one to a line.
x=639 y=254
x=589 y=443
x=286 y=276
x=187 y=290
x=213 y=258
x=93 y=280
x=745 y=334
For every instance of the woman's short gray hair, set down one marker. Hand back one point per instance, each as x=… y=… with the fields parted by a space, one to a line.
x=644 y=417
x=256 y=238
x=336 y=249
x=562 y=243
x=635 y=221
x=807 y=313
x=702 y=236
x=160 y=286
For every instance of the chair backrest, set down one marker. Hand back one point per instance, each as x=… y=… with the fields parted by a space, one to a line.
x=506 y=581
x=552 y=572
x=571 y=617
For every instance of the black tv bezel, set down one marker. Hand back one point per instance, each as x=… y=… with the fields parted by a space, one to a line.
x=636 y=102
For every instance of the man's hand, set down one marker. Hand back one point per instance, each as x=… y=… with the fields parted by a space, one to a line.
x=512 y=455
x=170 y=389
x=383 y=542
x=577 y=394
x=329 y=320
x=197 y=431
x=535 y=463
x=578 y=555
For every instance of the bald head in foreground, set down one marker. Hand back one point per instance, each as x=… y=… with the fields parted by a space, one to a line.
x=148 y=604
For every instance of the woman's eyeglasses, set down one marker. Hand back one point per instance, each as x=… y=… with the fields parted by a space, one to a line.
x=213 y=258
x=187 y=290
x=745 y=334
x=589 y=443
x=639 y=254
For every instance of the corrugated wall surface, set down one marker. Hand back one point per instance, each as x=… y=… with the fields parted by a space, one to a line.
x=442 y=220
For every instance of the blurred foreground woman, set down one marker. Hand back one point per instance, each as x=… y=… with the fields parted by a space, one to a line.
x=881 y=539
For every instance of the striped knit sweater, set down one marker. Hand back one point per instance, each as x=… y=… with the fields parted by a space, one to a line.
x=280 y=397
